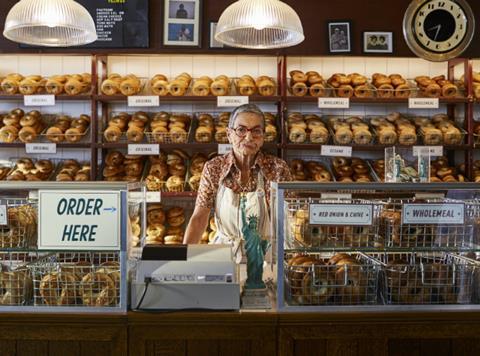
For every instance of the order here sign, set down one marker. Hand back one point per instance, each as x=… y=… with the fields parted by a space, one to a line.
x=79 y=220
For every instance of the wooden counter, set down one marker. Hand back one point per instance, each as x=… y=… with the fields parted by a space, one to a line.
x=246 y=333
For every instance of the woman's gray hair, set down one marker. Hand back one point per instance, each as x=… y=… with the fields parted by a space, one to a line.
x=246 y=108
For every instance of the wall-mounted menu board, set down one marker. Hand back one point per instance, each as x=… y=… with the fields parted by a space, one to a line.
x=120 y=23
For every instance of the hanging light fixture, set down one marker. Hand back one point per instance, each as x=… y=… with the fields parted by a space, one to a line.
x=259 y=24
x=52 y=23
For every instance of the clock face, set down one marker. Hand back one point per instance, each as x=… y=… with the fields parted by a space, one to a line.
x=438 y=29
x=440 y=26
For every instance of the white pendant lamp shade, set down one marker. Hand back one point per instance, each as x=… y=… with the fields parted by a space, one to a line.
x=259 y=24
x=52 y=23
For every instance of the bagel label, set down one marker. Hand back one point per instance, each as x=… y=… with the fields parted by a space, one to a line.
x=41 y=148
x=341 y=214
x=39 y=100
x=436 y=214
x=224 y=148
x=423 y=103
x=336 y=151
x=334 y=103
x=428 y=150
x=150 y=197
x=145 y=101
x=144 y=149
x=231 y=101
x=79 y=220
x=3 y=215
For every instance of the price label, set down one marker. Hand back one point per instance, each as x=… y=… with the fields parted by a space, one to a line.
x=39 y=100
x=423 y=103
x=231 y=101
x=336 y=151
x=224 y=148
x=334 y=103
x=143 y=149
x=143 y=101
x=424 y=150
x=433 y=214
x=41 y=148
x=336 y=196
x=429 y=195
x=150 y=197
x=341 y=214
x=3 y=215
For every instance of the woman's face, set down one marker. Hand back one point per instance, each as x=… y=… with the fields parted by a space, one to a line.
x=251 y=143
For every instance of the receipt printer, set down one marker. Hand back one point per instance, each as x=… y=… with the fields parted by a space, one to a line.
x=186 y=277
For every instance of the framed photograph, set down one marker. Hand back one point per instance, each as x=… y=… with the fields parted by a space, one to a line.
x=378 y=42
x=181 y=23
x=213 y=42
x=339 y=37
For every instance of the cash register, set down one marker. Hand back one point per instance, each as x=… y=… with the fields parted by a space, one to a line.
x=186 y=277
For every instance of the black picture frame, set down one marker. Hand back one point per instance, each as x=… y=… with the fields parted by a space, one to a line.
x=339 y=36
x=383 y=42
x=182 y=23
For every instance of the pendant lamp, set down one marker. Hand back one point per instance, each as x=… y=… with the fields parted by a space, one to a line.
x=52 y=23
x=259 y=24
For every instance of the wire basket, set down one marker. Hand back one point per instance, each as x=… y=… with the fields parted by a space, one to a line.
x=302 y=231
x=428 y=278
x=319 y=90
x=21 y=228
x=439 y=235
x=15 y=286
x=321 y=284
x=49 y=120
x=90 y=279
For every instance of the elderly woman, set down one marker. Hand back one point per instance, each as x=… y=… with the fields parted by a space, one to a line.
x=244 y=172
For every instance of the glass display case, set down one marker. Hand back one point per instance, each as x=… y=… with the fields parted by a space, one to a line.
x=63 y=246
x=377 y=246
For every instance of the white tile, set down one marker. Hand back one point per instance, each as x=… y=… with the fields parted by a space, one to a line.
x=137 y=65
x=417 y=67
x=226 y=65
x=397 y=66
x=375 y=65
x=332 y=65
x=76 y=64
x=243 y=65
x=117 y=64
x=203 y=65
x=312 y=64
x=52 y=65
x=8 y=64
x=355 y=65
x=159 y=65
x=180 y=64
x=29 y=65
x=293 y=63
x=438 y=68
x=267 y=66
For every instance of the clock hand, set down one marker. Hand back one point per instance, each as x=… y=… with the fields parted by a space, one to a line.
x=438 y=28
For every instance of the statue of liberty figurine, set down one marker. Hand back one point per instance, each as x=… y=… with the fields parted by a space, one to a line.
x=255 y=248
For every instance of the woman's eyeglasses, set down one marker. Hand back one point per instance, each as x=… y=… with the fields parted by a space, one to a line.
x=242 y=131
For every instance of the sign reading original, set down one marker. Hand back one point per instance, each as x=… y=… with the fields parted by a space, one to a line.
x=79 y=220
x=444 y=214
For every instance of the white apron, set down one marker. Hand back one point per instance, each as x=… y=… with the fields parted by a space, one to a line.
x=228 y=216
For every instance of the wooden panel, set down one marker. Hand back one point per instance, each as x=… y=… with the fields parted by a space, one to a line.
x=92 y=348
x=202 y=347
x=465 y=347
x=8 y=347
x=234 y=347
x=363 y=15
x=166 y=348
x=310 y=347
x=342 y=347
x=403 y=347
x=32 y=348
x=62 y=348
x=372 y=347
x=435 y=347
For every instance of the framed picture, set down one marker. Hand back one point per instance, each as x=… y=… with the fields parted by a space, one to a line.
x=377 y=42
x=339 y=37
x=181 y=23
x=213 y=42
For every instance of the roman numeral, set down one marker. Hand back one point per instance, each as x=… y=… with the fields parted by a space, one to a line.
x=449 y=44
x=428 y=43
x=437 y=46
x=441 y=4
x=421 y=13
x=420 y=34
x=431 y=6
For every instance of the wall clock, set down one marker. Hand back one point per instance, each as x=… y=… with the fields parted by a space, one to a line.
x=438 y=30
